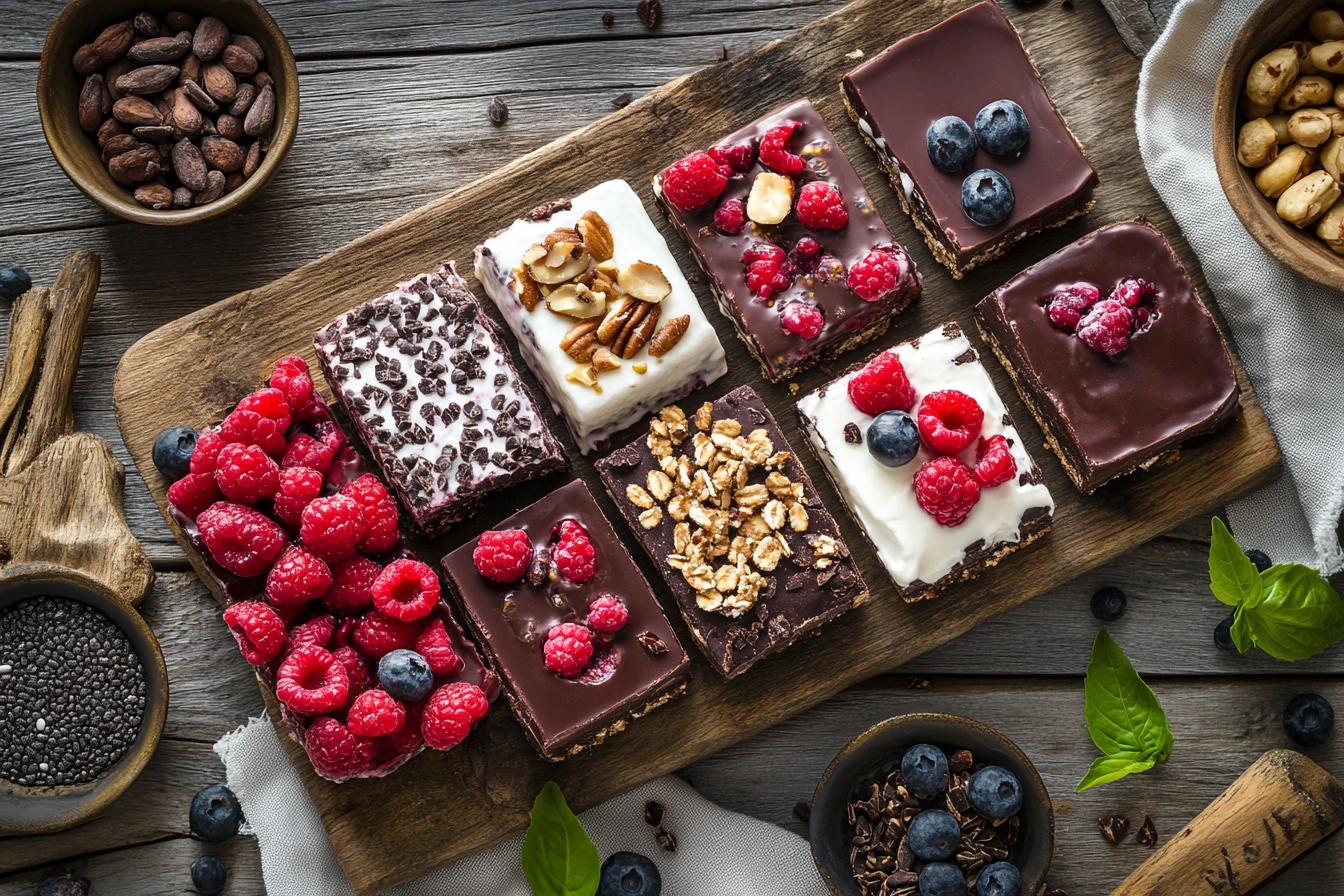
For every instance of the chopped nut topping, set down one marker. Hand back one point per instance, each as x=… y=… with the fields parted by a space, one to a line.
x=637 y=496
x=771 y=198
x=650 y=518
x=645 y=281
x=584 y=375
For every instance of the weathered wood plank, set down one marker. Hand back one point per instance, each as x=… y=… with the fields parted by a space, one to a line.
x=156 y=869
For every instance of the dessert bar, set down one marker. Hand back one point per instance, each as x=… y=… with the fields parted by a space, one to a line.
x=728 y=515
x=602 y=313
x=978 y=154
x=793 y=247
x=923 y=452
x=566 y=616
x=1113 y=351
x=433 y=393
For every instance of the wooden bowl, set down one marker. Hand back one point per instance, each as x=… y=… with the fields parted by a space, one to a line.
x=41 y=810
x=872 y=755
x=1273 y=23
x=77 y=153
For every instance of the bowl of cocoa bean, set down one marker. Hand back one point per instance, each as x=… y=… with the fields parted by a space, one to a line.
x=931 y=804
x=167 y=113
x=85 y=697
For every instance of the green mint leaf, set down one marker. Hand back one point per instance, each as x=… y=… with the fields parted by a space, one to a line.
x=1233 y=578
x=558 y=857
x=1299 y=616
x=1123 y=714
x=1241 y=631
x=1106 y=769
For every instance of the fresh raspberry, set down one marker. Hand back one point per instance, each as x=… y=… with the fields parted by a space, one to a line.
x=739 y=156
x=356 y=667
x=693 y=181
x=406 y=590
x=465 y=696
x=1106 y=327
x=568 y=649
x=290 y=613
x=299 y=486
x=258 y=629
x=805 y=253
x=239 y=538
x=802 y=319
x=731 y=216
x=436 y=647
x=311 y=681
x=574 y=554
x=879 y=273
x=502 y=555
x=1067 y=305
x=246 y=474
x=608 y=614
x=330 y=527
x=351 y=588
x=1132 y=290
x=768 y=269
x=994 y=463
x=316 y=632
x=294 y=380
x=193 y=493
x=206 y=452
x=336 y=752
x=775 y=153
x=821 y=207
x=446 y=721
x=306 y=451
x=882 y=386
x=375 y=713
x=380 y=514
x=1143 y=316
x=296 y=578
x=269 y=403
x=949 y=421
x=402 y=742
x=252 y=428
x=344 y=635
x=946 y=489
x=378 y=634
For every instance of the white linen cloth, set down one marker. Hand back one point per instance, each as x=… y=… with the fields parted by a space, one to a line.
x=1289 y=330
x=719 y=853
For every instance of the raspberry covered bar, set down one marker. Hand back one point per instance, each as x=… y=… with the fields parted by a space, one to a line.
x=795 y=251
x=602 y=313
x=561 y=609
x=432 y=391
x=922 y=450
x=1113 y=351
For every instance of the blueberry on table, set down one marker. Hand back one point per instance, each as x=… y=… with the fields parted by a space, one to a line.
x=629 y=874
x=172 y=451
x=987 y=197
x=893 y=438
x=995 y=793
x=924 y=769
x=1108 y=604
x=999 y=879
x=14 y=282
x=215 y=814
x=1309 y=719
x=64 y=885
x=941 y=879
x=405 y=675
x=934 y=835
x=951 y=144
x=1222 y=636
x=1002 y=128
x=1260 y=559
x=208 y=875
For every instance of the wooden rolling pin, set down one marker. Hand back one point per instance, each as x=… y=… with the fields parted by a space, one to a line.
x=1280 y=807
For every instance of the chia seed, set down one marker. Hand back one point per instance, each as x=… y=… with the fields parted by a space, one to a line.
x=72 y=693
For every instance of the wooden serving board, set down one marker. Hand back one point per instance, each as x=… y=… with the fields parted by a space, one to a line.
x=446 y=805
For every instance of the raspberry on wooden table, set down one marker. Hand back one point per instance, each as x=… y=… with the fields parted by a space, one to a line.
x=293 y=378
x=436 y=647
x=608 y=613
x=193 y=493
x=258 y=629
x=406 y=590
x=335 y=751
x=298 y=487
x=573 y=553
x=296 y=578
x=205 y=454
x=240 y=539
x=375 y=713
x=802 y=319
x=821 y=207
x=774 y=152
x=1106 y=327
x=316 y=632
x=568 y=649
x=312 y=681
x=994 y=463
x=380 y=514
x=356 y=669
x=449 y=712
x=330 y=527
x=502 y=555
x=379 y=634
x=949 y=421
x=946 y=490
x=877 y=274
x=305 y=451
x=351 y=588
x=246 y=474
x=693 y=181
x=882 y=385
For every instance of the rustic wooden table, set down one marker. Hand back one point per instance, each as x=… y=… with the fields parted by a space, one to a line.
x=394 y=114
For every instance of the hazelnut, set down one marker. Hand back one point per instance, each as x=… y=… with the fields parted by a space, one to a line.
x=1308 y=90
x=1310 y=127
x=1331 y=227
x=1270 y=76
x=771 y=198
x=1328 y=57
x=1258 y=144
x=1326 y=24
x=1308 y=199
x=1292 y=164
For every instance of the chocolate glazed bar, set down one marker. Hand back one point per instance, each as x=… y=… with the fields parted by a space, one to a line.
x=1108 y=416
x=433 y=393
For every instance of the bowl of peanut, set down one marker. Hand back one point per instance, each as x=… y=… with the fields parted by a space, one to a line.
x=1278 y=134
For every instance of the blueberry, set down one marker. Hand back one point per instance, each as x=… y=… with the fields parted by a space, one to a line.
x=1108 y=604
x=934 y=835
x=951 y=144
x=172 y=451
x=215 y=814
x=942 y=879
x=893 y=438
x=987 y=197
x=1222 y=636
x=1260 y=559
x=629 y=874
x=208 y=875
x=14 y=282
x=995 y=793
x=405 y=675
x=64 y=885
x=1002 y=128
x=1308 y=719
x=924 y=769
x=999 y=879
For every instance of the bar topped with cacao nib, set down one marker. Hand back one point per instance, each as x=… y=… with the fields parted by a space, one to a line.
x=429 y=385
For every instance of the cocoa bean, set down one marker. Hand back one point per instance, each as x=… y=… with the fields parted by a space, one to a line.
x=191 y=70
x=182 y=198
x=94 y=102
x=233 y=180
x=213 y=191
x=212 y=36
x=136 y=111
x=115 y=71
x=180 y=21
x=262 y=114
x=202 y=100
x=119 y=144
x=262 y=79
x=247 y=92
x=135 y=167
x=159 y=49
x=208 y=129
x=219 y=82
x=253 y=160
x=111 y=128
x=146 y=24
x=155 y=196
x=148 y=79
x=108 y=46
x=186 y=117
x=251 y=46
x=238 y=61
x=230 y=126
x=189 y=165
x=154 y=133
x=222 y=154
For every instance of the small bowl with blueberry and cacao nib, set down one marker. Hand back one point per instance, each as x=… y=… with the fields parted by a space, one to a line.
x=932 y=805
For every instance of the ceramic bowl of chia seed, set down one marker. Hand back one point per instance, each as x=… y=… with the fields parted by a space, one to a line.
x=86 y=696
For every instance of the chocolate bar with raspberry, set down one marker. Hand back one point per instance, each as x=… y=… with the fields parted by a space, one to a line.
x=430 y=387
x=794 y=249
x=560 y=608
x=1114 y=352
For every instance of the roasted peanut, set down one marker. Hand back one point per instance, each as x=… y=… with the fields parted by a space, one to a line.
x=1310 y=127
x=1331 y=227
x=1328 y=57
x=1271 y=75
x=1332 y=157
x=1279 y=122
x=1303 y=51
x=1326 y=24
x=1258 y=144
x=1336 y=116
x=1304 y=202
x=1293 y=163
x=1308 y=90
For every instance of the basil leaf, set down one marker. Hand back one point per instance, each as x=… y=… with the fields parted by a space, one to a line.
x=1300 y=614
x=558 y=857
x=1123 y=714
x=1233 y=578
x=1241 y=631
x=1106 y=769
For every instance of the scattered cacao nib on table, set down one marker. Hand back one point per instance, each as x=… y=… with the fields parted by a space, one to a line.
x=1114 y=828
x=650 y=12
x=1147 y=835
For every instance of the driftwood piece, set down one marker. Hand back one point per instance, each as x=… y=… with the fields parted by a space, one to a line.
x=27 y=328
